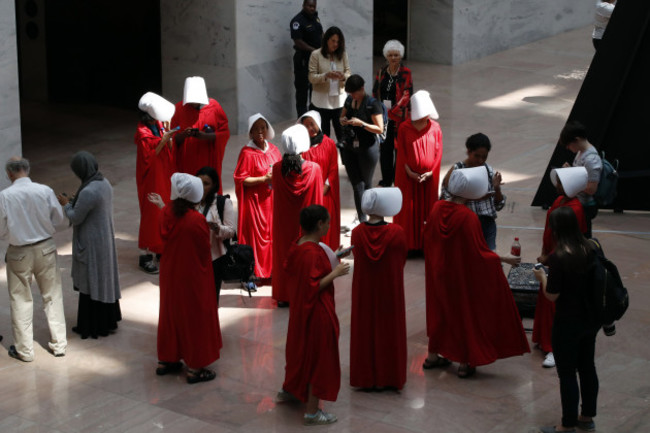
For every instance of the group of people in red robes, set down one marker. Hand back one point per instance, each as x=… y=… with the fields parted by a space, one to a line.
x=181 y=138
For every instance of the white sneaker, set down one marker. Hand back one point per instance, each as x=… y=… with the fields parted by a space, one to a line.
x=351 y=226
x=319 y=418
x=549 y=360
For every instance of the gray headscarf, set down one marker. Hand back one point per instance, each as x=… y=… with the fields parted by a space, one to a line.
x=85 y=166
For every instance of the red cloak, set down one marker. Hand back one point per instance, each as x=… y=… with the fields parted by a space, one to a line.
x=152 y=174
x=255 y=205
x=422 y=151
x=188 y=322
x=471 y=314
x=545 y=309
x=312 y=351
x=194 y=153
x=290 y=195
x=378 y=336
x=327 y=157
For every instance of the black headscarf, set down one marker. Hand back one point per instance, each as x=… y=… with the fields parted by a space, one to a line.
x=85 y=166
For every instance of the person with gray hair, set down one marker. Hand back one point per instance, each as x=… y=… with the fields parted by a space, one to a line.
x=29 y=215
x=393 y=87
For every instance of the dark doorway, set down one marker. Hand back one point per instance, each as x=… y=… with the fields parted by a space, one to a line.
x=98 y=52
x=390 y=22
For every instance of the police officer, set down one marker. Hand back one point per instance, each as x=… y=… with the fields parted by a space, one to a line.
x=307 y=33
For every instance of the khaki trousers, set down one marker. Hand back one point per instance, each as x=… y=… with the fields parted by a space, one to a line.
x=41 y=261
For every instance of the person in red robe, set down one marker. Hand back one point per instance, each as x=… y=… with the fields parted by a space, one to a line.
x=417 y=170
x=324 y=153
x=255 y=193
x=378 y=337
x=188 y=323
x=313 y=369
x=296 y=184
x=204 y=131
x=154 y=167
x=568 y=182
x=471 y=315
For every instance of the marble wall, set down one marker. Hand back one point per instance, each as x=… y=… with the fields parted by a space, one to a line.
x=198 y=39
x=455 y=31
x=10 y=143
x=244 y=51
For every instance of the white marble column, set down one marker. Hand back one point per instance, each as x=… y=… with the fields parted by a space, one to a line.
x=244 y=51
x=455 y=31
x=10 y=139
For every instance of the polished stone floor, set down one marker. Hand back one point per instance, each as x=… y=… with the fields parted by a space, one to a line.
x=520 y=98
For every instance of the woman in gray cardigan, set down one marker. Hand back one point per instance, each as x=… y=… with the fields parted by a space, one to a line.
x=94 y=259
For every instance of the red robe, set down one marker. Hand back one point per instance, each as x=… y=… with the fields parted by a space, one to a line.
x=194 y=153
x=152 y=174
x=326 y=156
x=545 y=309
x=378 y=336
x=188 y=322
x=422 y=151
x=471 y=314
x=312 y=351
x=290 y=195
x=255 y=205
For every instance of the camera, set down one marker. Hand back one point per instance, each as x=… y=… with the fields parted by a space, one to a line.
x=348 y=133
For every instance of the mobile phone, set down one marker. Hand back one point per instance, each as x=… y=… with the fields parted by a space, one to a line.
x=344 y=251
x=540 y=266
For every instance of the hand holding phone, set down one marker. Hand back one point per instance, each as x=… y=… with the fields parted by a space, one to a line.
x=344 y=252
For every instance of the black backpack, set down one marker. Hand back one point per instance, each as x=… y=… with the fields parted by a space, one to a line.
x=241 y=260
x=609 y=299
x=606 y=192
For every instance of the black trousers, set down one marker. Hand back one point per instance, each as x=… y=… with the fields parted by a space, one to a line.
x=387 y=156
x=590 y=213
x=574 y=345
x=218 y=267
x=301 y=80
x=327 y=116
x=360 y=163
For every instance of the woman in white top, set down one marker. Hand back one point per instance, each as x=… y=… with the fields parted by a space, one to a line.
x=328 y=70
x=221 y=228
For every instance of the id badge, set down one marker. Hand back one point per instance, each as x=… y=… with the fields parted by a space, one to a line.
x=387 y=103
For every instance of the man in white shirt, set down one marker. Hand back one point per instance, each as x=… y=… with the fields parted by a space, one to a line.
x=29 y=214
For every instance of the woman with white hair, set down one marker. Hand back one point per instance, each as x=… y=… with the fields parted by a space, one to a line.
x=254 y=192
x=296 y=184
x=472 y=317
x=323 y=152
x=394 y=87
x=188 y=322
x=419 y=152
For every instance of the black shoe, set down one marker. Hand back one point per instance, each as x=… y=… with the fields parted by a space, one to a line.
x=149 y=267
x=14 y=353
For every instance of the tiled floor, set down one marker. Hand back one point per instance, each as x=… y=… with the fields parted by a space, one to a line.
x=520 y=98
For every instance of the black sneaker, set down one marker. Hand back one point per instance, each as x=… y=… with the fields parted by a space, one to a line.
x=149 y=267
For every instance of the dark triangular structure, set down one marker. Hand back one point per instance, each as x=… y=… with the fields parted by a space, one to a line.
x=614 y=105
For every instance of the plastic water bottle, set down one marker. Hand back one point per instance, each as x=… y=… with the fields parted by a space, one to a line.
x=515 y=249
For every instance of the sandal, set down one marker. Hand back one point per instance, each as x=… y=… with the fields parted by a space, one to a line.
x=439 y=362
x=465 y=371
x=202 y=375
x=168 y=367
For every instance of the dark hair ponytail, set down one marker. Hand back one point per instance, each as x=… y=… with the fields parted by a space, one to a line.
x=214 y=176
x=291 y=162
x=572 y=249
x=181 y=206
